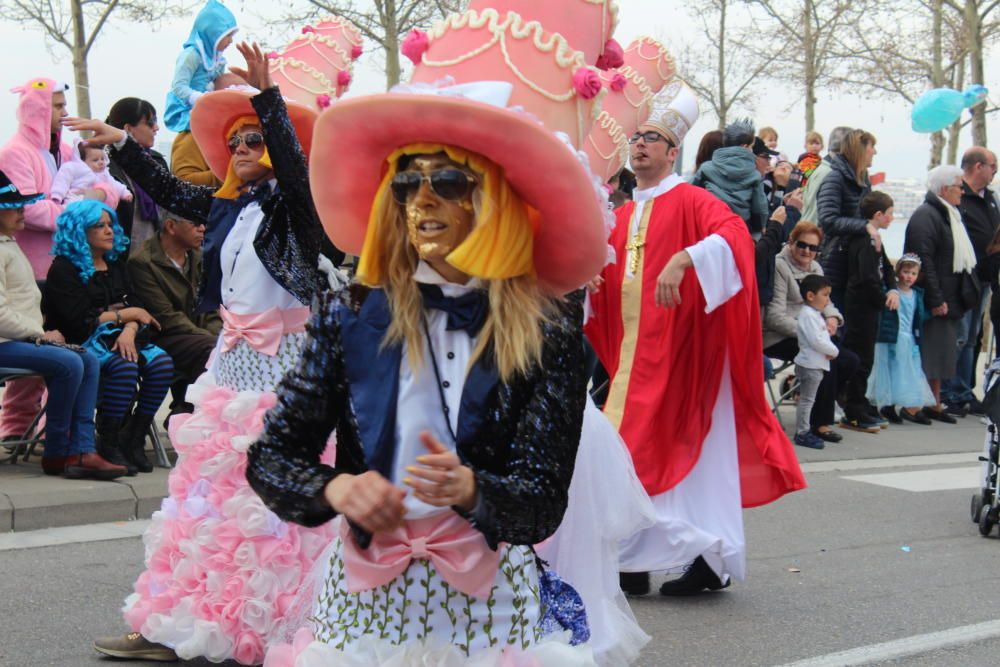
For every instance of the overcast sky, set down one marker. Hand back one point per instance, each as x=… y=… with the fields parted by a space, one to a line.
x=135 y=61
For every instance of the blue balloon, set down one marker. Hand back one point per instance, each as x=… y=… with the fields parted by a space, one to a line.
x=938 y=108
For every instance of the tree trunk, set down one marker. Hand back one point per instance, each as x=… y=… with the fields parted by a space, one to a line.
x=937 y=76
x=392 y=68
x=81 y=77
x=974 y=35
x=721 y=72
x=809 y=56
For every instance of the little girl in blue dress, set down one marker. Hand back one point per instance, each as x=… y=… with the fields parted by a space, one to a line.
x=199 y=64
x=897 y=377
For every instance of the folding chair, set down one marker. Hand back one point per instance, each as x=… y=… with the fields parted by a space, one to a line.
x=780 y=397
x=162 y=460
x=32 y=436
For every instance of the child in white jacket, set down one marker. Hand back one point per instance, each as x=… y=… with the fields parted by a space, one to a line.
x=816 y=349
x=88 y=167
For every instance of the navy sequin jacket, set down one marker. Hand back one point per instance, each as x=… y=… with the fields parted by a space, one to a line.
x=519 y=438
x=289 y=239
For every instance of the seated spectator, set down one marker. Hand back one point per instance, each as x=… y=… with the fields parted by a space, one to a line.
x=871 y=286
x=796 y=261
x=782 y=189
x=947 y=261
x=711 y=142
x=731 y=175
x=88 y=286
x=838 y=205
x=165 y=274
x=71 y=375
x=137 y=217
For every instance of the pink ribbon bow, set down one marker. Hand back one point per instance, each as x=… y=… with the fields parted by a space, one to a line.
x=261 y=331
x=458 y=551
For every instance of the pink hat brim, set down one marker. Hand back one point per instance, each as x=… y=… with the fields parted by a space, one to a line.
x=214 y=113
x=353 y=138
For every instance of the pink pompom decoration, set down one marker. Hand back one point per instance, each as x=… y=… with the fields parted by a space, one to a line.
x=587 y=83
x=613 y=56
x=308 y=29
x=323 y=101
x=273 y=55
x=356 y=51
x=415 y=44
x=618 y=82
x=344 y=78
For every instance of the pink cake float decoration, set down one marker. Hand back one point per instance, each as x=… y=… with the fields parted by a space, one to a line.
x=486 y=44
x=414 y=45
x=647 y=68
x=315 y=68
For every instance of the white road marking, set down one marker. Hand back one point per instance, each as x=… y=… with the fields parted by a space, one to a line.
x=907 y=646
x=50 y=537
x=894 y=462
x=942 y=479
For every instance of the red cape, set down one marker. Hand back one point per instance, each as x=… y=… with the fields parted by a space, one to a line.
x=678 y=364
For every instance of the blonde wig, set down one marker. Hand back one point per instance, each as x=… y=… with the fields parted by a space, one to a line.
x=498 y=251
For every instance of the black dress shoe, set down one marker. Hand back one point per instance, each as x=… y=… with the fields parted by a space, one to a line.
x=955 y=410
x=917 y=417
x=634 y=583
x=975 y=408
x=827 y=436
x=698 y=578
x=889 y=412
x=939 y=416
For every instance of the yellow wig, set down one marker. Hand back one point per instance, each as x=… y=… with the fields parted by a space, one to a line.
x=231 y=187
x=501 y=245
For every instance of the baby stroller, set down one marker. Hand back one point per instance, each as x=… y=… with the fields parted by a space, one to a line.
x=985 y=506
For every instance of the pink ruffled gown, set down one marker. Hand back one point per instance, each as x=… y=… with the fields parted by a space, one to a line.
x=221 y=568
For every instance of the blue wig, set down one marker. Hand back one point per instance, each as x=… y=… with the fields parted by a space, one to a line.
x=70 y=240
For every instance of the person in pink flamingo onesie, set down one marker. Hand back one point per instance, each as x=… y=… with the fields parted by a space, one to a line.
x=31 y=159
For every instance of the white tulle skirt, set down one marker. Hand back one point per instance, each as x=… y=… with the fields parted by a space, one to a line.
x=607 y=504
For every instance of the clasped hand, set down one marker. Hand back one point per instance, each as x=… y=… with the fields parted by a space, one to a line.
x=376 y=504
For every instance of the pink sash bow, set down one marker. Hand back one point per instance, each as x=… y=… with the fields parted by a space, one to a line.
x=261 y=331
x=458 y=551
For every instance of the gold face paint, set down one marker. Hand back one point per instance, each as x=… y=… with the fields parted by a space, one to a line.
x=435 y=225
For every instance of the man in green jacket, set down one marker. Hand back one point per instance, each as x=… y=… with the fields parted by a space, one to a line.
x=165 y=273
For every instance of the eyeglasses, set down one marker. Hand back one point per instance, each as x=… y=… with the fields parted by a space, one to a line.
x=253 y=140
x=802 y=245
x=650 y=137
x=451 y=184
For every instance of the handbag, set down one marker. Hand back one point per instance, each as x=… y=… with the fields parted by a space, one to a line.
x=105 y=336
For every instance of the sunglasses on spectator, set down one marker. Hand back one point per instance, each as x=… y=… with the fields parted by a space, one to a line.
x=650 y=137
x=451 y=184
x=802 y=245
x=253 y=140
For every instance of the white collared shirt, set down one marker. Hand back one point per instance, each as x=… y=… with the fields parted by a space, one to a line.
x=418 y=404
x=247 y=287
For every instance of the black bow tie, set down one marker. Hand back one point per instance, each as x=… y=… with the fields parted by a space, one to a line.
x=468 y=311
x=254 y=194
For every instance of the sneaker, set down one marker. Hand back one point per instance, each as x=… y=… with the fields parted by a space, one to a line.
x=955 y=410
x=975 y=407
x=862 y=425
x=134 y=646
x=889 y=412
x=808 y=439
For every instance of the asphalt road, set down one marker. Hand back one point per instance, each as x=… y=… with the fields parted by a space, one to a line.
x=847 y=565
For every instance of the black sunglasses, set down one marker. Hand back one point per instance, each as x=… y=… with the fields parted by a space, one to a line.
x=802 y=245
x=453 y=184
x=253 y=140
x=649 y=137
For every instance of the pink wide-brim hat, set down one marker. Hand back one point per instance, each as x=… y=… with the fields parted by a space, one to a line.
x=355 y=136
x=214 y=113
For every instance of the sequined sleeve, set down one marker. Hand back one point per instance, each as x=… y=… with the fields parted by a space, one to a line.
x=284 y=464
x=525 y=503
x=177 y=196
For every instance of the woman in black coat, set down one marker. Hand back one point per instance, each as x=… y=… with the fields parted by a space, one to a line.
x=838 y=204
x=137 y=117
x=935 y=233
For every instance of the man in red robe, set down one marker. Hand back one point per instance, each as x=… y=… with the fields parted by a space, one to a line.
x=684 y=353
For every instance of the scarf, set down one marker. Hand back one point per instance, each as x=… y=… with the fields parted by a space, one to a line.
x=964 y=258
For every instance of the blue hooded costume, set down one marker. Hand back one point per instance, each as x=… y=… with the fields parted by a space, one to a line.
x=198 y=64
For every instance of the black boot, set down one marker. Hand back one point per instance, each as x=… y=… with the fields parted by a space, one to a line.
x=634 y=583
x=134 y=443
x=699 y=577
x=110 y=442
